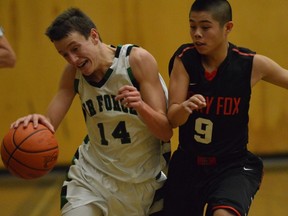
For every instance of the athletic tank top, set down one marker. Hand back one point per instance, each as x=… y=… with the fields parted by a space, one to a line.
x=120 y=144
x=221 y=128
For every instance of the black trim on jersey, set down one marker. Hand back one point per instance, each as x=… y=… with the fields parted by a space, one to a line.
x=159 y=194
x=76 y=85
x=103 y=80
x=63 y=196
x=167 y=157
x=132 y=78
x=129 y=49
x=118 y=49
x=107 y=74
x=86 y=139
x=76 y=155
x=129 y=70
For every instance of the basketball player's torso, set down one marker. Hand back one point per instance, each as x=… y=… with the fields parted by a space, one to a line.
x=120 y=143
x=222 y=126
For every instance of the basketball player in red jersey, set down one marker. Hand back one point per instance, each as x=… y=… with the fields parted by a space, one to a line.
x=209 y=95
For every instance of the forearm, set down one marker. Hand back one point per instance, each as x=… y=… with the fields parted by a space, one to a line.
x=58 y=108
x=177 y=115
x=157 y=122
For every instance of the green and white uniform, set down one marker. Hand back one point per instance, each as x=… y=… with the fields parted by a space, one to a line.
x=119 y=153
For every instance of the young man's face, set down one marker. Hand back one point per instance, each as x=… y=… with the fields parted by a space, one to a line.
x=206 y=32
x=78 y=51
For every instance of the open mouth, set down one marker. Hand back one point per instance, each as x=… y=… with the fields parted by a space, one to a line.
x=83 y=64
x=199 y=44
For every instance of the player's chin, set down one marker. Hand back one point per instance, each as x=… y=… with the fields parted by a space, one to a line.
x=202 y=50
x=87 y=72
x=86 y=69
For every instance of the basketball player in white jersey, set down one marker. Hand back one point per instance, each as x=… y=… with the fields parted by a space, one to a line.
x=117 y=170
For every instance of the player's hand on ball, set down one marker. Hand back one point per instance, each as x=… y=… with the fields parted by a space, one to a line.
x=36 y=119
x=29 y=152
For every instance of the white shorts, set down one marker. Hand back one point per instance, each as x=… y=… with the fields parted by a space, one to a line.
x=111 y=196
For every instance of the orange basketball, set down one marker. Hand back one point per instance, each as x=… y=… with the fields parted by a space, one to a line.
x=29 y=152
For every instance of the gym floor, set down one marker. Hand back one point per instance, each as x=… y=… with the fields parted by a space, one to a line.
x=41 y=197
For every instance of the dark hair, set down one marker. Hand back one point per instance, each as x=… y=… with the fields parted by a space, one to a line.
x=220 y=9
x=71 y=20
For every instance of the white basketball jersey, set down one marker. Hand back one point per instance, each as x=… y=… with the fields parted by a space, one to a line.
x=120 y=144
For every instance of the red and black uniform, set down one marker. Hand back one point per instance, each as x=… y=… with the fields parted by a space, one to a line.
x=212 y=164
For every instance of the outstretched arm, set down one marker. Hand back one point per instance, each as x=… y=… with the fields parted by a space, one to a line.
x=63 y=99
x=268 y=70
x=58 y=107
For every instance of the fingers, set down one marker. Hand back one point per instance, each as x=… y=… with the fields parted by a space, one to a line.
x=125 y=91
x=195 y=102
x=198 y=100
x=126 y=88
x=23 y=120
x=132 y=100
x=35 y=119
x=129 y=96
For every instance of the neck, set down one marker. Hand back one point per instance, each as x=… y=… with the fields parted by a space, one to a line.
x=105 y=58
x=212 y=61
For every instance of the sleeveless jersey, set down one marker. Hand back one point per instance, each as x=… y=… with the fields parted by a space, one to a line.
x=120 y=144
x=221 y=128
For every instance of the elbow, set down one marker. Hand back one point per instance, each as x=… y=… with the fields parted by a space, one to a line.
x=12 y=61
x=168 y=135
x=174 y=124
x=9 y=61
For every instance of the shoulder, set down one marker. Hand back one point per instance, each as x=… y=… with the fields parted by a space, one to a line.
x=68 y=74
x=262 y=63
x=185 y=49
x=241 y=51
x=186 y=52
x=142 y=60
x=67 y=78
x=143 y=64
x=69 y=71
x=139 y=54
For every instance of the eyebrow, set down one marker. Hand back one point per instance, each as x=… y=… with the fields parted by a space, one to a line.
x=72 y=43
x=201 y=21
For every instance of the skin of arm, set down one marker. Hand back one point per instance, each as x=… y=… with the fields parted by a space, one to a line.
x=63 y=99
x=150 y=102
x=7 y=54
x=58 y=106
x=268 y=70
x=179 y=106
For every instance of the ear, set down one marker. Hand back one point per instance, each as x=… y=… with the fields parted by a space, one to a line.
x=94 y=36
x=228 y=26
